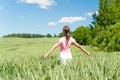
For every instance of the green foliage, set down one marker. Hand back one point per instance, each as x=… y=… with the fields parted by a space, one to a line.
x=113 y=34
x=61 y=34
x=109 y=39
x=83 y=35
x=114 y=11
x=106 y=26
x=99 y=39
x=55 y=35
x=109 y=14
x=95 y=17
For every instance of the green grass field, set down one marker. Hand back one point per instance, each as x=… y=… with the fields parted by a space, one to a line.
x=22 y=59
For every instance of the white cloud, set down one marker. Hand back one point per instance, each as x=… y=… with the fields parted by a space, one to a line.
x=67 y=20
x=53 y=23
x=71 y=19
x=91 y=13
x=45 y=4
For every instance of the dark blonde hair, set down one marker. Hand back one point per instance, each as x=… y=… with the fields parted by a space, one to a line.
x=66 y=31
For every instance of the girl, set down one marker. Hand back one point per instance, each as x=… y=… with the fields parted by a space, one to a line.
x=64 y=43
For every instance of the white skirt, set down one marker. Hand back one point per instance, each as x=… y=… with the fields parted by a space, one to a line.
x=64 y=57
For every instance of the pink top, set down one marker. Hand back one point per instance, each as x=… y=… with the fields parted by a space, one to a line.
x=65 y=44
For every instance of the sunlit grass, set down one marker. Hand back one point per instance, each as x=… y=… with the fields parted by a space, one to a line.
x=22 y=59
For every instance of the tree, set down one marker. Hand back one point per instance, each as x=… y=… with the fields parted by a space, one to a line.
x=109 y=13
x=55 y=35
x=83 y=35
x=113 y=34
x=108 y=39
x=49 y=35
x=105 y=23
x=61 y=34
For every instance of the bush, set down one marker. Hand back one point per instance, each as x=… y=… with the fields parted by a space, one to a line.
x=83 y=35
x=49 y=35
x=113 y=33
x=108 y=39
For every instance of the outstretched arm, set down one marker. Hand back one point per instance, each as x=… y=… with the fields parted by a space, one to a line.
x=80 y=47
x=51 y=50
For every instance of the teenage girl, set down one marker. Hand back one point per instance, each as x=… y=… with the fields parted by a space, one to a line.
x=64 y=43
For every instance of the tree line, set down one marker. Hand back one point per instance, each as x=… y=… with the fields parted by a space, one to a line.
x=27 y=35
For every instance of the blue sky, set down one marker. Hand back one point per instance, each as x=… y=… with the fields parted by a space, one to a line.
x=44 y=16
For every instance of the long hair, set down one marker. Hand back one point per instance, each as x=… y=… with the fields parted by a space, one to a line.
x=66 y=31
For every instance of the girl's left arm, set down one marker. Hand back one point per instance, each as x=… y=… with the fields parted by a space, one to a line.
x=80 y=47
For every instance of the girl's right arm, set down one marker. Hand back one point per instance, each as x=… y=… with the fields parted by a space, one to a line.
x=51 y=50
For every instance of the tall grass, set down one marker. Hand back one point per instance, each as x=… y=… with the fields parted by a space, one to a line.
x=22 y=59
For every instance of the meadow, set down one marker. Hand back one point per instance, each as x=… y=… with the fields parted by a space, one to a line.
x=22 y=59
